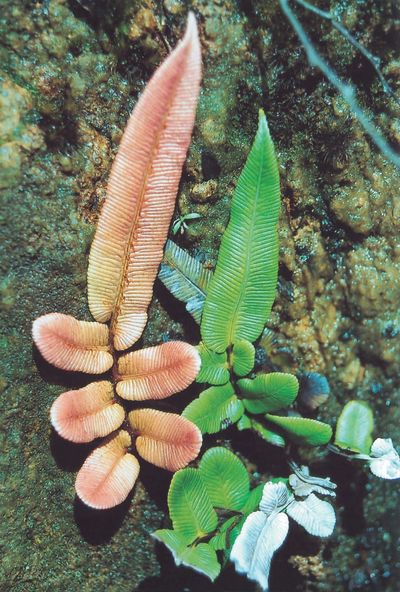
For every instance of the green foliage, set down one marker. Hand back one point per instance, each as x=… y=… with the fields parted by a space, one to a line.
x=354 y=427
x=268 y=392
x=242 y=357
x=227 y=534
x=201 y=557
x=225 y=478
x=201 y=502
x=173 y=539
x=242 y=289
x=239 y=296
x=267 y=434
x=185 y=278
x=209 y=505
x=244 y=423
x=223 y=539
x=190 y=507
x=214 y=366
x=248 y=423
x=179 y=225
x=216 y=409
x=303 y=431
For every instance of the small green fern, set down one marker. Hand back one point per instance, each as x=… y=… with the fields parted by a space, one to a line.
x=207 y=507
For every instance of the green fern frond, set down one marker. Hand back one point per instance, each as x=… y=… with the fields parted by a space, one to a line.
x=242 y=289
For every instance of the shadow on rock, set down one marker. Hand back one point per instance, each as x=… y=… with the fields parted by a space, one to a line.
x=156 y=482
x=53 y=375
x=99 y=526
x=178 y=313
x=183 y=579
x=267 y=458
x=68 y=455
x=351 y=481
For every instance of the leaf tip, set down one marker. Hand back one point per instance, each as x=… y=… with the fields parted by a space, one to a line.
x=191 y=25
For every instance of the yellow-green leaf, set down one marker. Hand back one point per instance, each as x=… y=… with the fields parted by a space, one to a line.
x=201 y=557
x=244 y=423
x=221 y=540
x=266 y=434
x=225 y=478
x=253 y=500
x=214 y=366
x=268 y=392
x=354 y=427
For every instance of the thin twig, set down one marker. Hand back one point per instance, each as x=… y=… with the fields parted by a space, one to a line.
x=349 y=455
x=373 y=60
x=347 y=90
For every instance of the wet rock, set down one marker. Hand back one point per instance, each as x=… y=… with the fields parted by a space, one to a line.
x=17 y=138
x=372 y=271
x=204 y=192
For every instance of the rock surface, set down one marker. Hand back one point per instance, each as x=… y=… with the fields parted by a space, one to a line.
x=70 y=75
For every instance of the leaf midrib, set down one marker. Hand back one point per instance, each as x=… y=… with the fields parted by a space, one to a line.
x=249 y=242
x=123 y=280
x=185 y=277
x=187 y=497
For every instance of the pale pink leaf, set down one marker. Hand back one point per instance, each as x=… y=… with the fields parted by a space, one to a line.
x=88 y=413
x=132 y=230
x=108 y=474
x=166 y=440
x=69 y=344
x=157 y=372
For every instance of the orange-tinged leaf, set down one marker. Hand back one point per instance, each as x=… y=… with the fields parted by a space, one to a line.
x=157 y=372
x=87 y=413
x=108 y=474
x=166 y=440
x=132 y=230
x=73 y=345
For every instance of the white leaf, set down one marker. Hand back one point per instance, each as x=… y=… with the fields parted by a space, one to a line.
x=385 y=468
x=323 y=490
x=274 y=497
x=316 y=516
x=303 y=488
x=382 y=447
x=184 y=276
x=258 y=540
x=387 y=462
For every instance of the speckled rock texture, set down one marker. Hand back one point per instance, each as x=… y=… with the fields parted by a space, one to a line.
x=70 y=73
